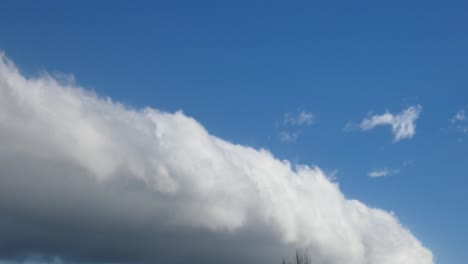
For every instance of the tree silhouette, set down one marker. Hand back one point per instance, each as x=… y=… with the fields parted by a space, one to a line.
x=301 y=257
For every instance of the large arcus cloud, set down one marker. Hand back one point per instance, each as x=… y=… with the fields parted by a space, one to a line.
x=86 y=179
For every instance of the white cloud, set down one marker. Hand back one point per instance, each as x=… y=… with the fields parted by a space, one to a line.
x=288 y=136
x=87 y=179
x=291 y=124
x=460 y=121
x=459 y=116
x=403 y=124
x=382 y=172
x=303 y=118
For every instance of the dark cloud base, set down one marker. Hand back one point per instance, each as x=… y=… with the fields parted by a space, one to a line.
x=83 y=227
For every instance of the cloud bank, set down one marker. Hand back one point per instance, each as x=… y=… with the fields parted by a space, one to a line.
x=403 y=124
x=84 y=179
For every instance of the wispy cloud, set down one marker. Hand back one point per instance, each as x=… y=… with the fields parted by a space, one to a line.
x=301 y=119
x=459 y=116
x=403 y=124
x=292 y=125
x=375 y=173
x=287 y=136
x=460 y=121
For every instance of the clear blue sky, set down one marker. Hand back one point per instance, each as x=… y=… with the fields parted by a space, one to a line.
x=239 y=67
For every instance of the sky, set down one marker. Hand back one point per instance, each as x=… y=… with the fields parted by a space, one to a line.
x=210 y=131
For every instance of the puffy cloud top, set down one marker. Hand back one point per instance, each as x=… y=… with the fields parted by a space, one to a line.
x=86 y=179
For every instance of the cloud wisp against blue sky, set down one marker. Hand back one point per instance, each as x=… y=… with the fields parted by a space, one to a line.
x=460 y=122
x=403 y=124
x=303 y=118
x=292 y=125
x=376 y=173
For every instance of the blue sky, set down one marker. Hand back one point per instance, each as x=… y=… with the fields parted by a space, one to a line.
x=240 y=68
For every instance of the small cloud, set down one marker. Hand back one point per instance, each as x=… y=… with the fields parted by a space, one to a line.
x=301 y=119
x=403 y=124
x=460 y=116
x=375 y=173
x=408 y=163
x=290 y=137
x=350 y=126
x=460 y=122
x=292 y=123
